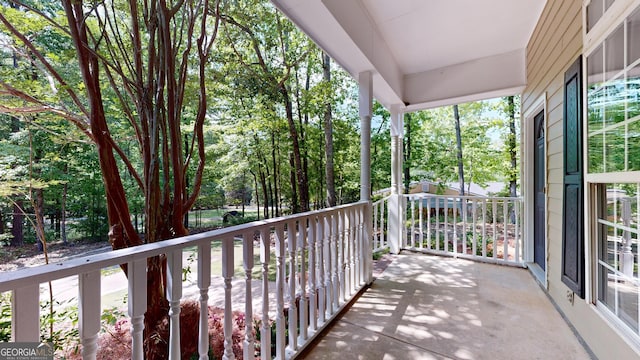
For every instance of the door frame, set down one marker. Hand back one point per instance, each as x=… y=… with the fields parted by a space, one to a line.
x=528 y=133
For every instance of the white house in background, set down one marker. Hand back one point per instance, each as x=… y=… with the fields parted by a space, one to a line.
x=576 y=64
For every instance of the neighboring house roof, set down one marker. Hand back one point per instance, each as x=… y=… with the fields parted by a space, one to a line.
x=431 y=186
x=475 y=189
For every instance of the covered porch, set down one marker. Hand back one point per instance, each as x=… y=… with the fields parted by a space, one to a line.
x=300 y=273
x=429 y=307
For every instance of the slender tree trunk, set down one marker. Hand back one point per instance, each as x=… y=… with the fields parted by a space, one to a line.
x=328 y=138
x=63 y=210
x=17 y=228
x=407 y=155
x=456 y=115
x=265 y=194
x=39 y=214
x=301 y=176
x=255 y=186
x=274 y=201
x=295 y=207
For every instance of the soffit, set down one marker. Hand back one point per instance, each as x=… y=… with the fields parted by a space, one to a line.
x=407 y=42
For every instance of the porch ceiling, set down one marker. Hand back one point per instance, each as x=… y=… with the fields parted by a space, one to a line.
x=424 y=53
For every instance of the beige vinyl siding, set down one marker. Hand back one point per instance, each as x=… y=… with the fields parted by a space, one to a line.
x=555 y=44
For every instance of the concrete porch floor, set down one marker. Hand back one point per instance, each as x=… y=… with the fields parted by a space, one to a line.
x=428 y=307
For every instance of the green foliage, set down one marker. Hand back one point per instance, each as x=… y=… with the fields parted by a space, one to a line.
x=63 y=319
x=479 y=241
x=5 y=317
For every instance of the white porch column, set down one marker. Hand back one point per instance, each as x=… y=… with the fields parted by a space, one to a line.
x=366 y=106
x=395 y=201
x=366 y=111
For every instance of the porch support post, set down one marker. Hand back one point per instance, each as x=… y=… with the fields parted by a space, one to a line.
x=366 y=106
x=366 y=111
x=395 y=201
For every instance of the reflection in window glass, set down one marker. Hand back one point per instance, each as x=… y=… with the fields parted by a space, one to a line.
x=633 y=143
x=596 y=153
x=614 y=102
x=614 y=52
x=614 y=149
x=595 y=98
x=618 y=278
x=633 y=92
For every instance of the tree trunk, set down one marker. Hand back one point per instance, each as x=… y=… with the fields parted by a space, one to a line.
x=63 y=211
x=295 y=207
x=265 y=194
x=255 y=186
x=456 y=115
x=38 y=205
x=17 y=229
x=328 y=139
x=301 y=176
x=274 y=201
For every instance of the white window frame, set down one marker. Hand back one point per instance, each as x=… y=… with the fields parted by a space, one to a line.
x=610 y=20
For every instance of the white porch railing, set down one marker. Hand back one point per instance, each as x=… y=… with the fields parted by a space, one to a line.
x=324 y=256
x=485 y=229
x=380 y=240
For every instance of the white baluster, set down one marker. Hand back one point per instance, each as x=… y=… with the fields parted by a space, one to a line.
x=321 y=295
x=227 y=275
x=413 y=222
x=437 y=200
x=313 y=305
x=293 y=309
x=358 y=241
x=265 y=330
x=474 y=215
x=516 y=205
x=505 y=224
x=429 y=199
x=247 y=261
x=174 y=294
x=89 y=312
x=420 y=211
x=25 y=314
x=328 y=264
x=137 y=275
x=280 y=281
x=484 y=228
x=303 y=308
x=383 y=242
x=337 y=276
x=446 y=224
x=454 y=211
x=495 y=230
x=350 y=253
x=204 y=281
x=341 y=243
x=376 y=236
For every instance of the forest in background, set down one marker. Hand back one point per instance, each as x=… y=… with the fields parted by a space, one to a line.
x=278 y=109
x=119 y=118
